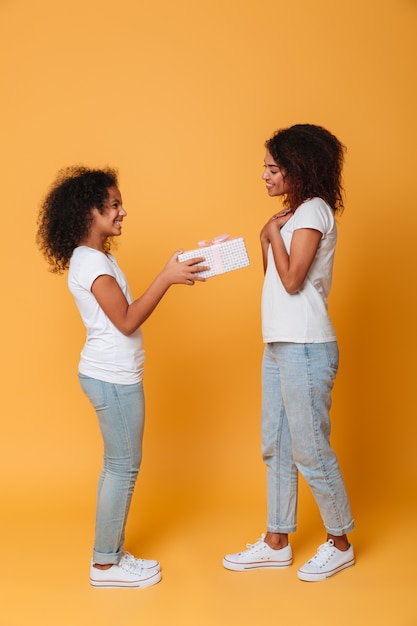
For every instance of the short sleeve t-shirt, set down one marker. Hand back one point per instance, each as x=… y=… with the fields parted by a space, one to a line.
x=108 y=354
x=302 y=317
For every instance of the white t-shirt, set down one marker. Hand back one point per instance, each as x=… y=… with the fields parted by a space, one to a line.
x=302 y=317
x=108 y=354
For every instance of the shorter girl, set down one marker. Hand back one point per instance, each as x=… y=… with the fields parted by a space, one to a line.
x=81 y=213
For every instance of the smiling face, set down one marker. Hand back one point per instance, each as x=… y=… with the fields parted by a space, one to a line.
x=114 y=212
x=109 y=222
x=274 y=177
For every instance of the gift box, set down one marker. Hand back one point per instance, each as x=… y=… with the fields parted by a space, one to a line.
x=221 y=255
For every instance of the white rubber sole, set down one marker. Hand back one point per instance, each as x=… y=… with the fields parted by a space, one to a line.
x=313 y=577
x=153 y=579
x=242 y=567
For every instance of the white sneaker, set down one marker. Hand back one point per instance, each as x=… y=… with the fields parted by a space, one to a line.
x=258 y=555
x=328 y=561
x=128 y=572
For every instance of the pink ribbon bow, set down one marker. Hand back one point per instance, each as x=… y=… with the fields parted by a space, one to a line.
x=212 y=242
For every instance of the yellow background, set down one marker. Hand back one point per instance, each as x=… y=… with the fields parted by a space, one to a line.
x=180 y=97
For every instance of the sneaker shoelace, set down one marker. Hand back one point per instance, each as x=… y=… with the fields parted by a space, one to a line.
x=130 y=564
x=257 y=546
x=324 y=554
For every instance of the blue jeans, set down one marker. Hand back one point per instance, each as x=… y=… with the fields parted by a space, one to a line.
x=297 y=380
x=121 y=413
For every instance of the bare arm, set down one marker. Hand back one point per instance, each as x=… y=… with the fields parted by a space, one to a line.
x=293 y=267
x=128 y=317
x=279 y=219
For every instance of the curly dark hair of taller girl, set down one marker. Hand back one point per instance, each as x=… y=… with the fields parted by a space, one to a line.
x=312 y=159
x=65 y=213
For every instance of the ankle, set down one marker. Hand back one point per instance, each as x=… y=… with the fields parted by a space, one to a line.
x=276 y=541
x=106 y=566
x=341 y=543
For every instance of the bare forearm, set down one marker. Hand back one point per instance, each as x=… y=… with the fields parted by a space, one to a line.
x=282 y=262
x=141 y=308
x=294 y=267
x=271 y=228
x=264 y=247
x=128 y=317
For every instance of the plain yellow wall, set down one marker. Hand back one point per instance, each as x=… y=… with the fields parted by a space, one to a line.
x=180 y=97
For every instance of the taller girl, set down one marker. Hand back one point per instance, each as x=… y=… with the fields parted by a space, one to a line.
x=303 y=164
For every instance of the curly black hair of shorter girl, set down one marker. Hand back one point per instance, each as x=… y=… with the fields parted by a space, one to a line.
x=65 y=214
x=312 y=160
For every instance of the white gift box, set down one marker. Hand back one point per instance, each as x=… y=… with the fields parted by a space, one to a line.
x=221 y=255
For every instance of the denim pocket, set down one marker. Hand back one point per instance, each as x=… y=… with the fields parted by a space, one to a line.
x=332 y=353
x=95 y=391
